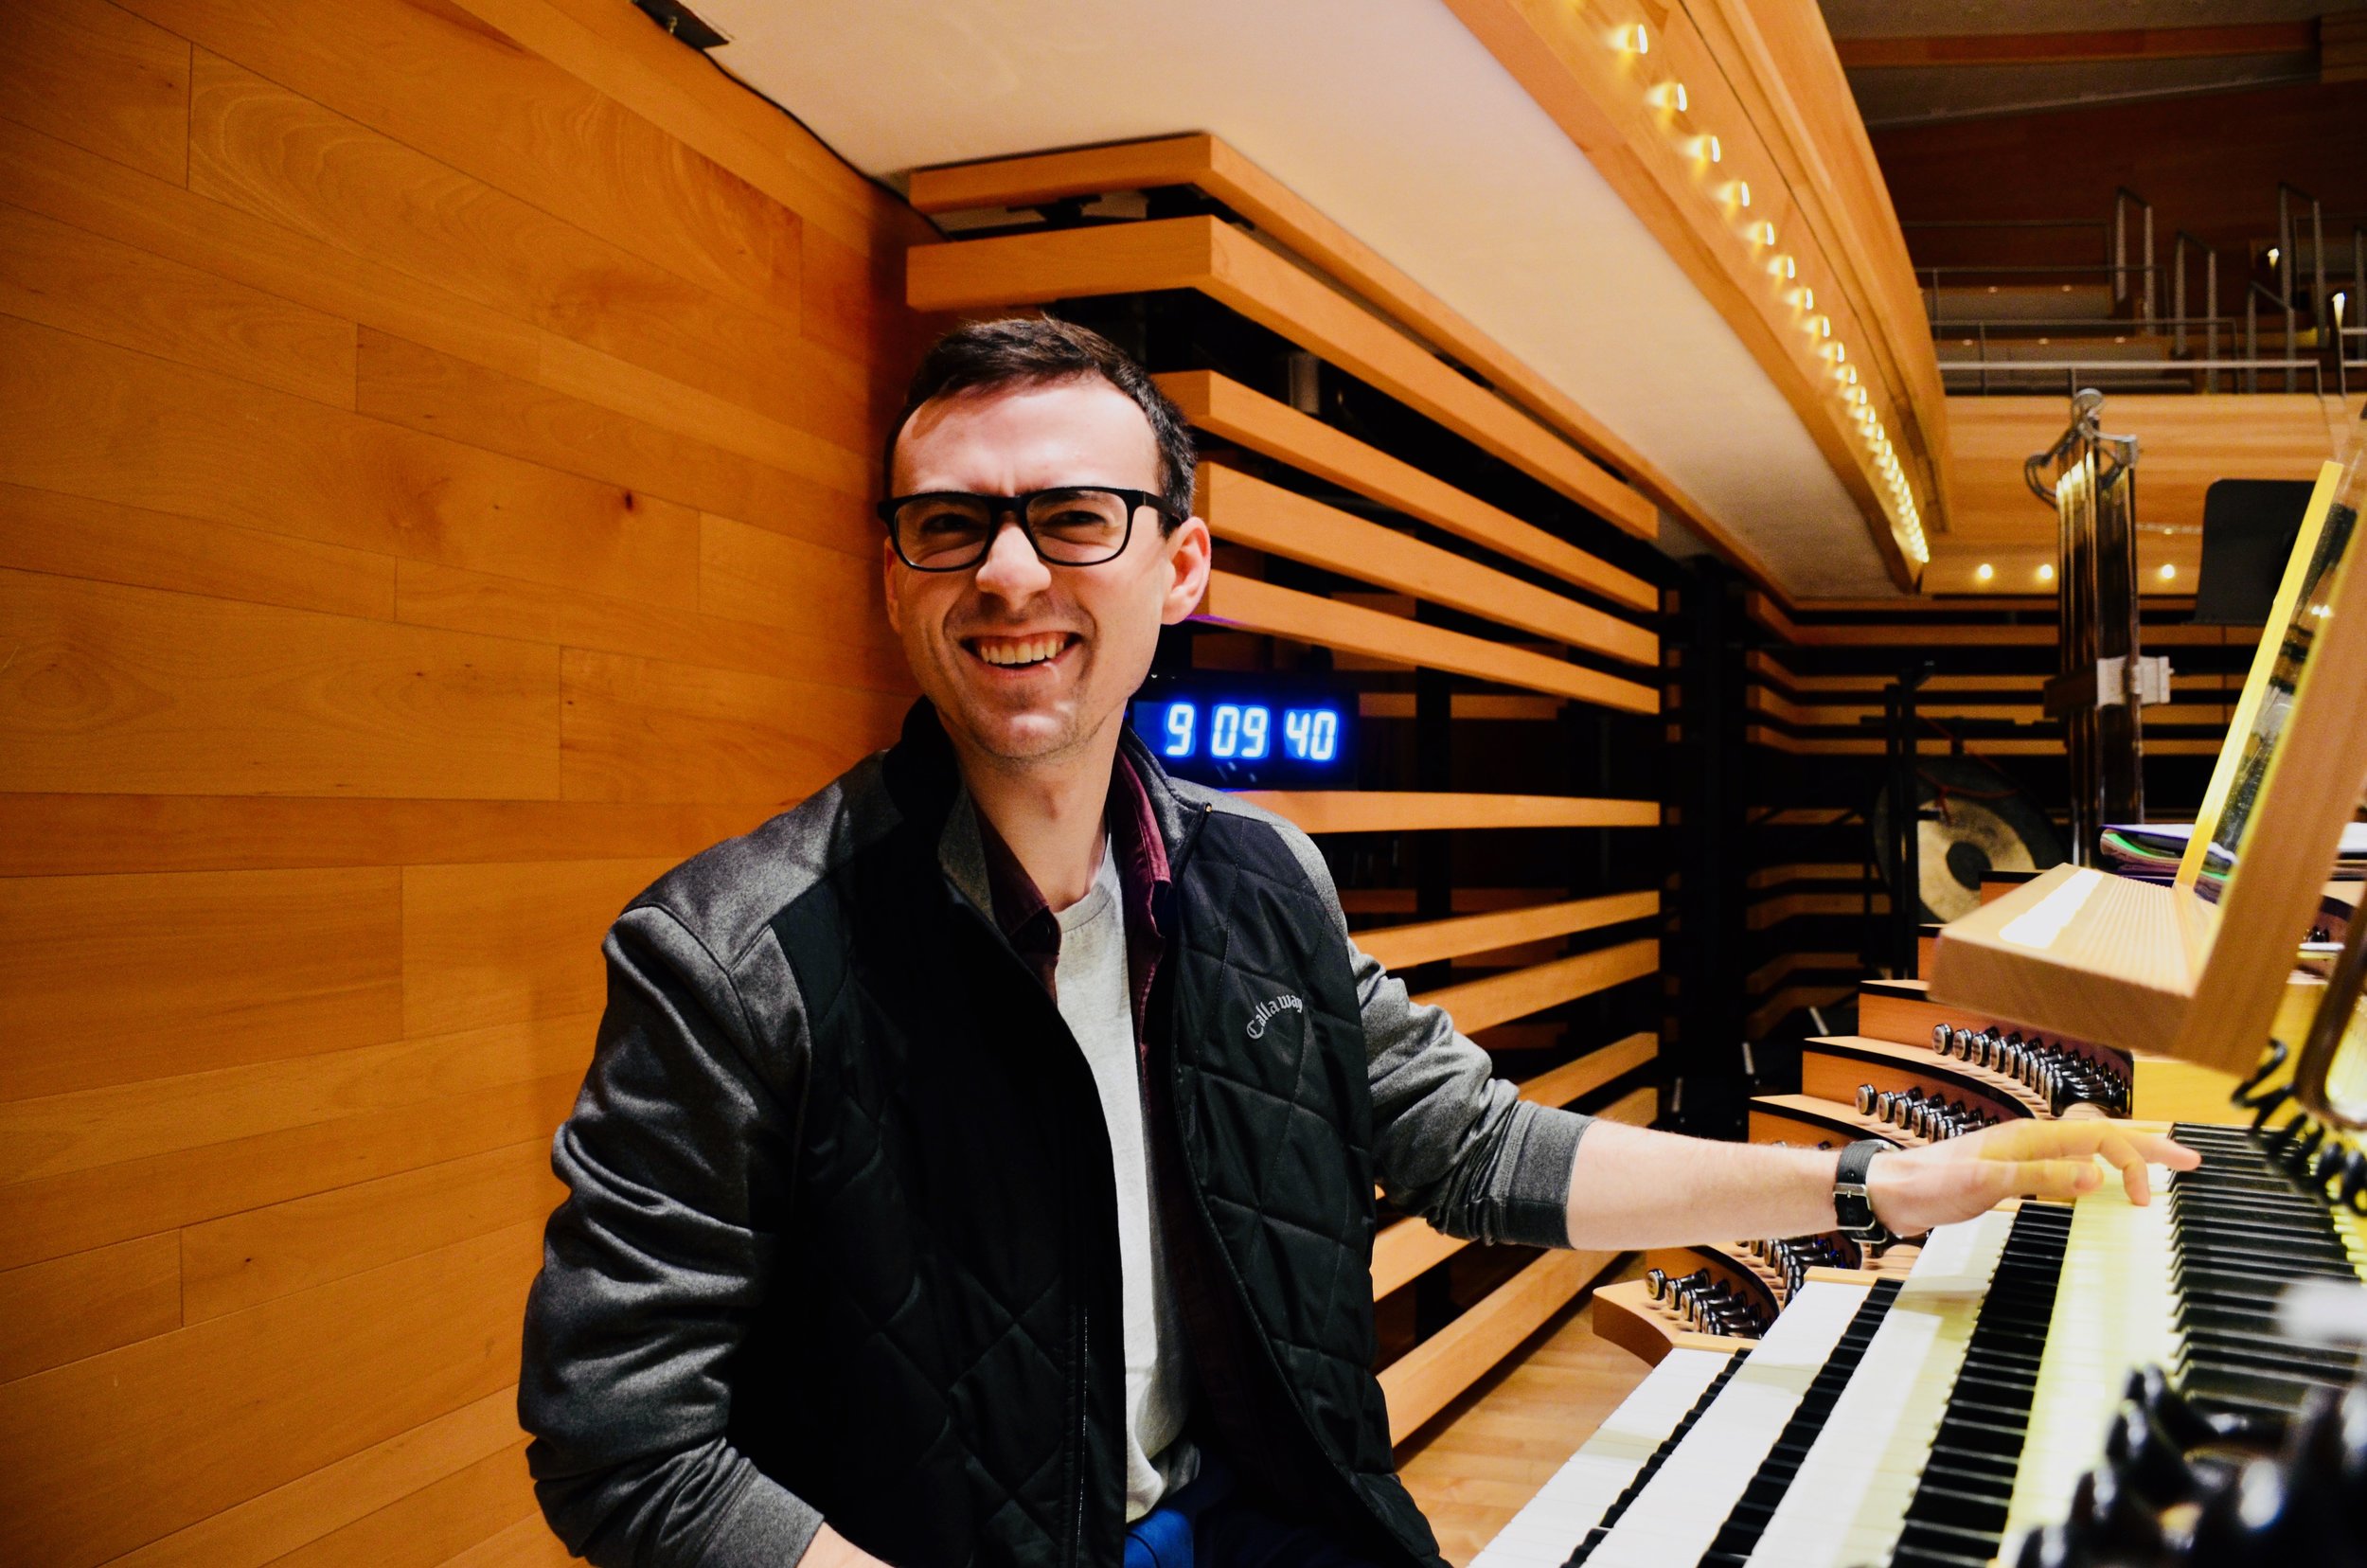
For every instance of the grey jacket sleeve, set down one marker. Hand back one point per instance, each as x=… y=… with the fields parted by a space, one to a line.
x=652 y=1266
x=1453 y=1142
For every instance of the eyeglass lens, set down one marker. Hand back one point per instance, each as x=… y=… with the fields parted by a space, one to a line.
x=1070 y=527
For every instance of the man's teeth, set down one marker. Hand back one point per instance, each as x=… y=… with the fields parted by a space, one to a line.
x=1023 y=649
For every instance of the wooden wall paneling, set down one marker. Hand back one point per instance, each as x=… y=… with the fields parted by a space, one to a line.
x=310 y=480
x=1424 y=1380
x=410 y=384
x=793 y=647
x=1224 y=407
x=1248 y=510
x=1408 y=810
x=1402 y=947
x=112 y=979
x=243 y=1260
x=652 y=731
x=50 y=835
x=499 y=944
x=1499 y=998
x=1256 y=606
x=527 y=1543
x=466 y=95
x=111 y=1451
x=90 y=1130
x=1218 y=169
x=1234 y=269
x=97 y=421
x=76 y=1306
x=264 y=1529
x=433 y=1525
x=621 y=58
x=754 y=574
x=70 y=535
x=54 y=1216
x=101 y=78
x=78 y=282
x=128 y=688
x=280 y=156
x=63 y=182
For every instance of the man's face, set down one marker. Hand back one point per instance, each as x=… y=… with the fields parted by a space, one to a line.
x=1026 y=662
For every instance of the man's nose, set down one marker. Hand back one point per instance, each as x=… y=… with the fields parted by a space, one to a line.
x=1012 y=571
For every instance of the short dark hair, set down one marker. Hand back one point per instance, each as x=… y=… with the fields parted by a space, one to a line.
x=1031 y=351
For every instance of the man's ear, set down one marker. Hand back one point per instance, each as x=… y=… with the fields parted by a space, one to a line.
x=1189 y=552
x=888 y=565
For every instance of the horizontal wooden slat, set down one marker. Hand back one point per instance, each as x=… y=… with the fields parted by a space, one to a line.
x=1402 y=947
x=1236 y=271
x=109 y=1452
x=1222 y=406
x=465 y=95
x=50 y=835
x=257 y=145
x=754 y=574
x=1426 y=1378
x=1404 y=1249
x=264 y=1529
x=243 y=1260
x=1775 y=876
x=438 y=1523
x=426 y=389
x=128 y=688
x=860 y=657
x=78 y=283
x=101 y=78
x=1220 y=171
x=1500 y=998
x=84 y=418
x=1256 y=606
x=108 y=980
x=1488 y=707
x=527 y=1543
x=80 y=1305
x=1940 y=746
x=1786 y=906
x=2079 y=45
x=653 y=731
x=68 y=536
x=501 y=944
x=379 y=1131
x=1922 y=632
x=1400 y=811
x=1581 y=1076
x=1248 y=510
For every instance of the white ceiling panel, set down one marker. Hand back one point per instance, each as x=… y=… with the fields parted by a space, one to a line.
x=1398 y=124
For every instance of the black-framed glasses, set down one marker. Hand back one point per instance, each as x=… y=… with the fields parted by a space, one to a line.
x=1072 y=526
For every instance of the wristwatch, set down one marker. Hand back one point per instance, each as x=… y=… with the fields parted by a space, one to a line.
x=1851 y=1204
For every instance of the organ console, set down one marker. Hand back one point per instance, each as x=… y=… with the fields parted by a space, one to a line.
x=2049 y=1384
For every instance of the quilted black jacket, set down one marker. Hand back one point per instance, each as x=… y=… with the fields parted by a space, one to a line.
x=841 y=1240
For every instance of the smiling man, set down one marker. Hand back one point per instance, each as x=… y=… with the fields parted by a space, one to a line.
x=976 y=1162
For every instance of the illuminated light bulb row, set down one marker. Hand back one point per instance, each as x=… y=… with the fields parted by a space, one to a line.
x=1635 y=41
x=1986 y=572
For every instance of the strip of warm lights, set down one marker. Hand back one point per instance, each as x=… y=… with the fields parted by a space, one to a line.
x=1634 y=41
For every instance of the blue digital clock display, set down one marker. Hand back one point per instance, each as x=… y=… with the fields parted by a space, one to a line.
x=1223 y=735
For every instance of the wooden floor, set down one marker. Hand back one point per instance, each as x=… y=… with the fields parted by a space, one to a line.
x=1487 y=1454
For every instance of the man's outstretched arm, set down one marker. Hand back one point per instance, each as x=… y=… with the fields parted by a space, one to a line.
x=1630 y=1188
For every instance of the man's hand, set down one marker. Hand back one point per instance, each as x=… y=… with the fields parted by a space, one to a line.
x=1914 y=1189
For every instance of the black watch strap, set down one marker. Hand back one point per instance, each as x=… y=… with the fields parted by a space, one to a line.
x=1852 y=1206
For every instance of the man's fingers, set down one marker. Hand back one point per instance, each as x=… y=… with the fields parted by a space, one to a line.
x=2052 y=1178
x=2161 y=1149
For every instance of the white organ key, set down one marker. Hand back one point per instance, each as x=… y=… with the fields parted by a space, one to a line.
x=1849 y=1501
x=2112 y=1315
x=1677 y=1515
x=1543 y=1534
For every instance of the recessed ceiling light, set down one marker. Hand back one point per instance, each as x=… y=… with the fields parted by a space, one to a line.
x=1984 y=572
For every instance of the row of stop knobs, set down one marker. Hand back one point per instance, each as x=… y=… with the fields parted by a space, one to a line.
x=1927 y=1116
x=2063 y=1076
x=1708 y=1306
x=1792 y=1256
